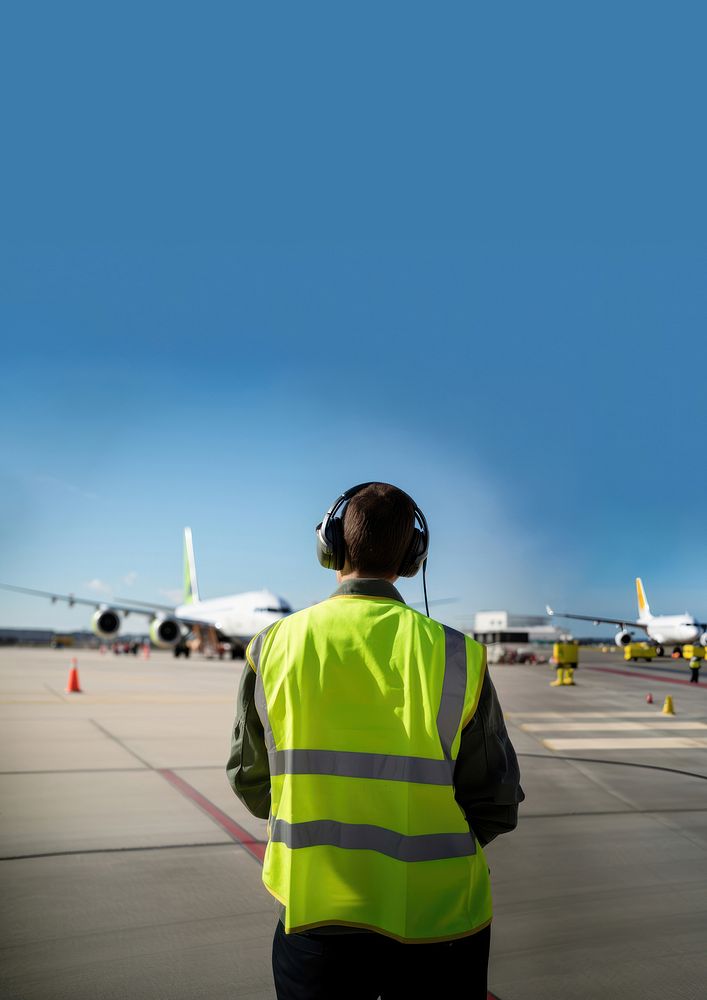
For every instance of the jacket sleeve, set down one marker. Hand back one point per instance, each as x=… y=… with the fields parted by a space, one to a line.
x=247 y=769
x=486 y=774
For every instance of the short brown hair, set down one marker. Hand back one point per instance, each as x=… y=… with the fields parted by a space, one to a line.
x=378 y=526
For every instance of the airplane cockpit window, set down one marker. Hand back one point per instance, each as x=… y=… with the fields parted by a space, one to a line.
x=283 y=609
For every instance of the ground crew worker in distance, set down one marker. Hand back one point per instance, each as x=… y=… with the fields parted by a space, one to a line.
x=695 y=664
x=373 y=738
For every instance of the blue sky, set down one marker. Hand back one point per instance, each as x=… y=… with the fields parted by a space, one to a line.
x=249 y=258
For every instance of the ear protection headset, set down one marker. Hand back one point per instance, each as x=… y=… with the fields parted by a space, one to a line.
x=331 y=547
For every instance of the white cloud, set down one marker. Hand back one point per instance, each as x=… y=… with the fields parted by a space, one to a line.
x=98 y=586
x=129 y=578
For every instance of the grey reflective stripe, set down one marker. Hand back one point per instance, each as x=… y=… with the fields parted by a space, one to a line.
x=261 y=706
x=255 y=647
x=352 y=764
x=363 y=837
x=451 y=705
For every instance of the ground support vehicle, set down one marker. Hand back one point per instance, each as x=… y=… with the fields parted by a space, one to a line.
x=640 y=651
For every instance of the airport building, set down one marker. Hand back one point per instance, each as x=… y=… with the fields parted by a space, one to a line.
x=503 y=626
x=46 y=637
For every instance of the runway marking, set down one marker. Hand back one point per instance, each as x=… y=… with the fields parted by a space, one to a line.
x=585 y=715
x=236 y=832
x=119 y=700
x=121 y=744
x=623 y=743
x=616 y=726
x=645 y=677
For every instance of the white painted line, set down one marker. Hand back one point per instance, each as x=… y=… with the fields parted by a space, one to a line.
x=578 y=727
x=622 y=743
x=584 y=715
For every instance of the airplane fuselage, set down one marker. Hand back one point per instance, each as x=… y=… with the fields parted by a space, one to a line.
x=239 y=616
x=672 y=628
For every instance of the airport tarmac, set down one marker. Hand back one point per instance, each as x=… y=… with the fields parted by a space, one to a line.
x=130 y=870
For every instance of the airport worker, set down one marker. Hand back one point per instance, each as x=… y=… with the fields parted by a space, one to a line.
x=371 y=737
x=695 y=664
x=566 y=657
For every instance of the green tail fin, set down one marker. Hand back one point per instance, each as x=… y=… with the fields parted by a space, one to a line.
x=191 y=587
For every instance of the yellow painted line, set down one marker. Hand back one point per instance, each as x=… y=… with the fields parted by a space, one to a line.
x=33 y=701
x=84 y=699
x=621 y=743
x=578 y=727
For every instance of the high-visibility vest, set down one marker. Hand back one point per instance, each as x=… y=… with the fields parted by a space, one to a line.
x=565 y=652
x=363 y=701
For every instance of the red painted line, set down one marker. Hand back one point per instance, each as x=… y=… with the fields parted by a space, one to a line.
x=241 y=836
x=645 y=677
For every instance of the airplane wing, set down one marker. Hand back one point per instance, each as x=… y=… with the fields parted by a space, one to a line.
x=597 y=619
x=133 y=608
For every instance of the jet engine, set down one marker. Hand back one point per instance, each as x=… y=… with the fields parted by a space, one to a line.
x=165 y=632
x=622 y=637
x=703 y=639
x=105 y=623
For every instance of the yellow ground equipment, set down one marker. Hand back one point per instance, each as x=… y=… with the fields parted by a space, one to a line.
x=689 y=651
x=565 y=653
x=565 y=656
x=639 y=651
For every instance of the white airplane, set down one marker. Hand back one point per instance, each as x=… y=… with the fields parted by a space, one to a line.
x=234 y=619
x=662 y=629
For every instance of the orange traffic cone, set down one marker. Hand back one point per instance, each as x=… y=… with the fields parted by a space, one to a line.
x=649 y=698
x=72 y=686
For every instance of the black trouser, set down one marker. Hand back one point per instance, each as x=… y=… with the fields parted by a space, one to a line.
x=367 y=966
x=694 y=675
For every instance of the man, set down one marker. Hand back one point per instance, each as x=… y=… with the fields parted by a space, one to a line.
x=695 y=664
x=372 y=737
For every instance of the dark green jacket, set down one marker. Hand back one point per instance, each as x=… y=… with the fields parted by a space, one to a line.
x=486 y=776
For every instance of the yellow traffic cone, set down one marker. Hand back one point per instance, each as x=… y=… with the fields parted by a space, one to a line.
x=667 y=708
x=569 y=676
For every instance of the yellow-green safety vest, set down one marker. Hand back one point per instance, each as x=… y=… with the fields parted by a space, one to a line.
x=363 y=700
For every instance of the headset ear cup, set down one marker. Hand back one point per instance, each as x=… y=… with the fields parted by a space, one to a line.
x=323 y=549
x=338 y=545
x=416 y=553
x=331 y=548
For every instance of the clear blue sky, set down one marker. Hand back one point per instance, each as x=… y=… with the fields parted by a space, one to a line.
x=249 y=257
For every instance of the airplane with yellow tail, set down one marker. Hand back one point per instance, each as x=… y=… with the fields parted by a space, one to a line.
x=664 y=630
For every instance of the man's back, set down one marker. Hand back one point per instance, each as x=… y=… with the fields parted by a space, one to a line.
x=363 y=701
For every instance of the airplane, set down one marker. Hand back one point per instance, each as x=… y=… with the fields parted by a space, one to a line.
x=662 y=629
x=234 y=619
